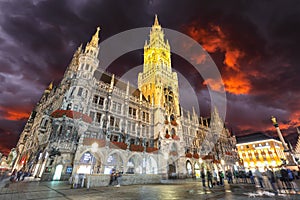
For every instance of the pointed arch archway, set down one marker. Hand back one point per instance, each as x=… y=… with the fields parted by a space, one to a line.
x=134 y=164
x=87 y=163
x=114 y=160
x=151 y=165
x=189 y=168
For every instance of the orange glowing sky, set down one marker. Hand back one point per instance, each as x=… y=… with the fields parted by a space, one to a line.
x=13 y=115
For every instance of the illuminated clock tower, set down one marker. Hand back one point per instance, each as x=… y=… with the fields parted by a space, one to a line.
x=157 y=81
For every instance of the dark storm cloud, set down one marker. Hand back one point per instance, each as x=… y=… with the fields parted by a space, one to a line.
x=267 y=35
x=38 y=38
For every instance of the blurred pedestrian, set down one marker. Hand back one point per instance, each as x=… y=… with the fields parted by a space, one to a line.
x=229 y=176
x=209 y=179
x=203 y=177
x=112 y=176
x=19 y=174
x=259 y=176
x=118 y=178
x=221 y=177
x=215 y=177
x=285 y=178
x=251 y=177
x=271 y=178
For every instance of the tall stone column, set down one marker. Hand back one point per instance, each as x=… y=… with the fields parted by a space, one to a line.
x=279 y=133
x=288 y=154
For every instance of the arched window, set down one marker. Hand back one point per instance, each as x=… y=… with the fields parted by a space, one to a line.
x=189 y=168
x=173 y=132
x=172 y=117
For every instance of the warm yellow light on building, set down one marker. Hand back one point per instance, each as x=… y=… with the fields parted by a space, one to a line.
x=262 y=153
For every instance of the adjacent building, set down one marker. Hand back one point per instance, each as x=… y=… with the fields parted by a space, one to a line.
x=297 y=147
x=260 y=150
x=93 y=121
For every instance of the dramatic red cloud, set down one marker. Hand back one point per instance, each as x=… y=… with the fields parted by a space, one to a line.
x=210 y=40
x=213 y=40
x=286 y=128
x=13 y=115
x=231 y=58
x=237 y=83
x=295 y=117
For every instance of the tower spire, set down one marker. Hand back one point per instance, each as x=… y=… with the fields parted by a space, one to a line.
x=156 y=21
x=95 y=38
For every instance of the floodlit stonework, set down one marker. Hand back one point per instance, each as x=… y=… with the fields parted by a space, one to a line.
x=93 y=122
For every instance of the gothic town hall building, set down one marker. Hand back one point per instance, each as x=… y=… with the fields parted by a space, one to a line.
x=93 y=122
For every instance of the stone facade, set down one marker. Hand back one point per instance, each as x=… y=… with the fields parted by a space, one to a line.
x=93 y=122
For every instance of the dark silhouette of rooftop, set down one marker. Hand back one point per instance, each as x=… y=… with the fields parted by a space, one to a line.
x=258 y=136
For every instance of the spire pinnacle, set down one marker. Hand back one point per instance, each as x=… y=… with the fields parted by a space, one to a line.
x=50 y=87
x=156 y=21
x=95 y=38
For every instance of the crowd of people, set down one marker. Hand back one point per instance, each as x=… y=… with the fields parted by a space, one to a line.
x=274 y=179
x=214 y=178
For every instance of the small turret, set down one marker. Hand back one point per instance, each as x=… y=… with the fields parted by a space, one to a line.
x=88 y=60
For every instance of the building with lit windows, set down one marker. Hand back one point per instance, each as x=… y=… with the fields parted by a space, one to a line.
x=93 y=122
x=260 y=150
